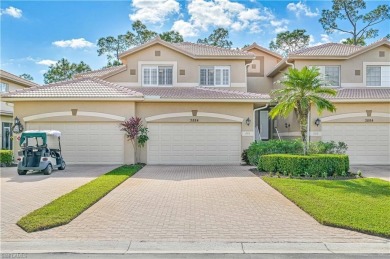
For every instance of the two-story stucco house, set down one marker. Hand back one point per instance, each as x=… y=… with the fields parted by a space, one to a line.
x=361 y=76
x=9 y=82
x=204 y=104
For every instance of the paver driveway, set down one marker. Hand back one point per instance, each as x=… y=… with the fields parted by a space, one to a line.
x=194 y=203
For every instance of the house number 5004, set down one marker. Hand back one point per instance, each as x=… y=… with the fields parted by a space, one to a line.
x=369 y=120
x=194 y=120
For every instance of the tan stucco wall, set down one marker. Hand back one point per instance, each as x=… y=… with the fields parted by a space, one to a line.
x=242 y=110
x=342 y=108
x=261 y=84
x=348 y=67
x=190 y=65
x=124 y=109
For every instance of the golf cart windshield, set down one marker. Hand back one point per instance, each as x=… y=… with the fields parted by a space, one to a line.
x=38 y=138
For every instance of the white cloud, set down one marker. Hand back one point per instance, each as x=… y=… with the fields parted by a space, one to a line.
x=154 y=11
x=301 y=8
x=235 y=16
x=185 y=28
x=73 y=43
x=325 y=38
x=280 y=25
x=12 y=11
x=46 y=62
x=42 y=71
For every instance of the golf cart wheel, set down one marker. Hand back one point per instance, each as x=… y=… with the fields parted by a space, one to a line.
x=22 y=172
x=48 y=170
x=63 y=165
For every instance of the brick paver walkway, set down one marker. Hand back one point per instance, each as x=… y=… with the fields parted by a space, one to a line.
x=190 y=203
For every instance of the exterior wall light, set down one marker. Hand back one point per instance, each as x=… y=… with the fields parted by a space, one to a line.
x=317 y=122
x=248 y=121
x=17 y=127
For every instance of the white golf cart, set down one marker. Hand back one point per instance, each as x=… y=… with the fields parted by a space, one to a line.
x=40 y=151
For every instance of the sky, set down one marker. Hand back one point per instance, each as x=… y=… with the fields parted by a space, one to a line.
x=36 y=34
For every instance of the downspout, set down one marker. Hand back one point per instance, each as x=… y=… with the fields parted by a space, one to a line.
x=246 y=75
x=290 y=64
x=254 y=119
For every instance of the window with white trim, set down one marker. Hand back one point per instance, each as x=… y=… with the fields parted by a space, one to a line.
x=3 y=87
x=157 y=75
x=378 y=76
x=215 y=76
x=331 y=75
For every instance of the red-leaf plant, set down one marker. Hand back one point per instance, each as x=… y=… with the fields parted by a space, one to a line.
x=134 y=129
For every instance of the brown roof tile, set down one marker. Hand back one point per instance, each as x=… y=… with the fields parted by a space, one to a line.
x=327 y=49
x=362 y=93
x=196 y=93
x=79 y=88
x=102 y=72
x=198 y=49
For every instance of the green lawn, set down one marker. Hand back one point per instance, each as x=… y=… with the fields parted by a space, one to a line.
x=359 y=204
x=67 y=207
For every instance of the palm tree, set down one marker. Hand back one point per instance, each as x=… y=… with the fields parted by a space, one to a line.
x=302 y=90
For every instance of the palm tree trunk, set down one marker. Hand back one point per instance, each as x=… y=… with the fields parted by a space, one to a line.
x=303 y=128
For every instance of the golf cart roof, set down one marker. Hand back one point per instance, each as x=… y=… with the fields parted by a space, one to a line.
x=36 y=133
x=39 y=134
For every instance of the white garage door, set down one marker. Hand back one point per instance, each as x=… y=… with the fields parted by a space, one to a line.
x=194 y=143
x=367 y=143
x=88 y=143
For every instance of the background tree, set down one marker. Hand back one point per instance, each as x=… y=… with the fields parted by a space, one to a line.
x=349 y=41
x=301 y=90
x=360 y=25
x=112 y=46
x=219 y=38
x=27 y=77
x=64 y=70
x=287 y=41
x=172 y=36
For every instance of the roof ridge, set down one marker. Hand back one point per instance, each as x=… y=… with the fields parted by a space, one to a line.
x=229 y=91
x=323 y=46
x=112 y=84
x=216 y=47
x=99 y=70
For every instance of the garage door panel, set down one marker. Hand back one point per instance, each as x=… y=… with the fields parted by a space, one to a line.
x=367 y=143
x=211 y=143
x=83 y=143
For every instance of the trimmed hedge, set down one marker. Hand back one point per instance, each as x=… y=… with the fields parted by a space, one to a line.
x=294 y=147
x=259 y=148
x=298 y=165
x=6 y=157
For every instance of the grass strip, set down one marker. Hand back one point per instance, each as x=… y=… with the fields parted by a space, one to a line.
x=64 y=209
x=358 y=204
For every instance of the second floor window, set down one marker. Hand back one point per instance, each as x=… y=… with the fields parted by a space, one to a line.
x=3 y=87
x=215 y=76
x=331 y=75
x=157 y=75
x=378 y=76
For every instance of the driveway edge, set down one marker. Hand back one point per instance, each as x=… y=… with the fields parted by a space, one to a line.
x=127 y=247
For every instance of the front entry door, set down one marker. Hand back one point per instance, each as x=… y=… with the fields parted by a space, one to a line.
x=6 y=142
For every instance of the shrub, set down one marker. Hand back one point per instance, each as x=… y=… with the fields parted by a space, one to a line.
x=299 y=165
x=327 y=147
x=6 y=157
x=244 y=156
x=259 y=148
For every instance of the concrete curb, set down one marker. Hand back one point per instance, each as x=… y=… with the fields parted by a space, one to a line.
x=127 y=247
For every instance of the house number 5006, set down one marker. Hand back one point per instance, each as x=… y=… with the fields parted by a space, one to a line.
x=194 y=120
x=369 y=120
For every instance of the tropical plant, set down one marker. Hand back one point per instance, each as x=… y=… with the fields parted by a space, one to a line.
x=301 y=90
x=136 y=133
